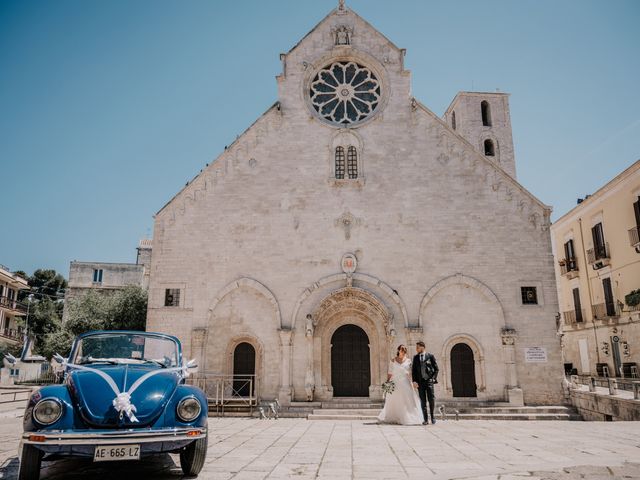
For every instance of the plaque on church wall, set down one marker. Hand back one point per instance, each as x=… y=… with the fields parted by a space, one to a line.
x=535 y=355
x=349 y=263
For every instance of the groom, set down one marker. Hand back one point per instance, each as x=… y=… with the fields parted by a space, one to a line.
x=425 y=373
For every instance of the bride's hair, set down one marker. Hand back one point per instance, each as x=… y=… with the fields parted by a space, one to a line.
x=401 y=348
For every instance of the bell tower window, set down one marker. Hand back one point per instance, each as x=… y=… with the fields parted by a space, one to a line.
x=486 y=113
x=489 y=148
x=453 y=120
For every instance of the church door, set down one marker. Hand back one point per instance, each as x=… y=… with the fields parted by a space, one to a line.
x=350 y=363
x=244 y=369
x=463 y=375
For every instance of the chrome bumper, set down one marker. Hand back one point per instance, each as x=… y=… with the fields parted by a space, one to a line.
x=106 y=437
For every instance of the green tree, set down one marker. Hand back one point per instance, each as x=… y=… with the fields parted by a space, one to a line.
x=128 y=309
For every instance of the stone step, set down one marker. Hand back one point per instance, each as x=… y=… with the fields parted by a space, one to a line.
x=512 y=410
x=351 y=411
x=462 y=416
x=314 y=416
x=345 y=406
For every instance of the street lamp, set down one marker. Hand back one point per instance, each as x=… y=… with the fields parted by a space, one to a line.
x=26 y=328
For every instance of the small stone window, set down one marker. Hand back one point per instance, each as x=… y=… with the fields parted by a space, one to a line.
x=486 y=113
x=352 y=162
x=97 y=275
x=172 y=297
x=489 y=148
x=529 y=295
x=453 y=120
x=340 y=162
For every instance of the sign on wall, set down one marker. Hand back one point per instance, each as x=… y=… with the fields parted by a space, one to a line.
x=535 y=355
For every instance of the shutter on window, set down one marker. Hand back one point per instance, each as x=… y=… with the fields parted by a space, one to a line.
x=636 y=210
x=576 y=304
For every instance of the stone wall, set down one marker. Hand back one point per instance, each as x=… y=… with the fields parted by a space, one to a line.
x=595 y=406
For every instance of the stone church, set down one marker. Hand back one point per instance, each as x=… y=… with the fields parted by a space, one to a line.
x=349 y=219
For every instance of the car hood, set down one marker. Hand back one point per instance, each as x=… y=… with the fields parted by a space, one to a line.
x=94 y=397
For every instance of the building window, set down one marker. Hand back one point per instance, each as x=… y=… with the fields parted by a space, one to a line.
x=529 y=295
x=340 y=162
x=636 y=211
x=570 y=256
x=489 y=148
x=352 y=162
x=577 y=307
x=14 y=372
x=486 y=113
x=97 y=275
x=172 y=297
x=453 y=120
x=599 y=245
x=609 y=301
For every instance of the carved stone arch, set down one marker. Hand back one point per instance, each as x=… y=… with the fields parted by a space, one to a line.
x=496 y=146
x=346 y=138
x=255 y=285
x=459 y=279
x=326 y=282
x=478 y=357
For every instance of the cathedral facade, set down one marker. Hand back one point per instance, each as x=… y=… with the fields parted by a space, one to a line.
x=349 y=219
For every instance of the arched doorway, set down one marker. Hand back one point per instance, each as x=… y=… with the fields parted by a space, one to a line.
x=244 y=369
x=350 y=362
x=463 y=374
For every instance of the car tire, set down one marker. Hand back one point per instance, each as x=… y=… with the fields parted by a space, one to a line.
x=30 y=463
x=193 y=455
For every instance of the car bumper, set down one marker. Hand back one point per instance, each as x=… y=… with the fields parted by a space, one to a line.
x=83 y=442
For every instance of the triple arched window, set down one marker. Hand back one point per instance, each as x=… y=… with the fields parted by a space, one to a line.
x=346 y=164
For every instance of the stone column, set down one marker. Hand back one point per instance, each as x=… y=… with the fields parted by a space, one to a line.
x=284 y=393
x=309 y=378
x=514 y=393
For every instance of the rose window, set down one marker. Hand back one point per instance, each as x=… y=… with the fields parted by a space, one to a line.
x=345 y=93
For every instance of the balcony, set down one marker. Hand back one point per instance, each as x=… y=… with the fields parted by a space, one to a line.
x=569 y=267
x=573 y=317
x=634 y=236
x=605 y=311
x=11 y=334
x=599 y=256
x=14 y=306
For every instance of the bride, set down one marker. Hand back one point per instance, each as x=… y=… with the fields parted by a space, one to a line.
x=401 y=406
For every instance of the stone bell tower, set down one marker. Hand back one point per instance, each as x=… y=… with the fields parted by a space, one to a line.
x=483 y=119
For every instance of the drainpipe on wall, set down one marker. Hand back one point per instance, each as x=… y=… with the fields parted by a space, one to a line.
x=584 y=253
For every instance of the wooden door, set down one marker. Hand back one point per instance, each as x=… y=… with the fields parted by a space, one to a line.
x=350 y=362
x=244 y=369
x=463 y=371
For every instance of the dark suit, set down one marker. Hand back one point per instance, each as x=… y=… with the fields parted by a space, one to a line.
x=425 y=374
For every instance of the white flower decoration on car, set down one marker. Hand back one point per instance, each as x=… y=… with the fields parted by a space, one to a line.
x=345 y=93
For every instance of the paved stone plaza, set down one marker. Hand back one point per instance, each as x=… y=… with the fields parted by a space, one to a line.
x=297 y=448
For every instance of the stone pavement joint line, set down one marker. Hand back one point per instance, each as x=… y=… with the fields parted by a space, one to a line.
x=242 y=448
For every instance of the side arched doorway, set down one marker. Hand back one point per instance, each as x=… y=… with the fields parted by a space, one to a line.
x=244 y=369
x=463 y=376
x=350 y=362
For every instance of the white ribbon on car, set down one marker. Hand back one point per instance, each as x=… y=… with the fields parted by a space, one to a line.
x=122 y=401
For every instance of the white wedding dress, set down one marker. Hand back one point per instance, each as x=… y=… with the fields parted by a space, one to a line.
x=403 y=405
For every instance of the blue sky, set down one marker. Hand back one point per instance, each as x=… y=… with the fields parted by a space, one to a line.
x=107 y=108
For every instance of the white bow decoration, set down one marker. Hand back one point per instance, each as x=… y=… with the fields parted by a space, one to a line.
x=122 y=401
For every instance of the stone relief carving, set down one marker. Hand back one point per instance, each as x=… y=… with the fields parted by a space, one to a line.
x=342 y=35
x=508 y=336
x=347 y=221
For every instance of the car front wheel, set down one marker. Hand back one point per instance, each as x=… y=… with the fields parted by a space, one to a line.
x=193 y=455
x=30 y=463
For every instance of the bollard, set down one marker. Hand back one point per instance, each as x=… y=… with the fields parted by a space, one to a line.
x=612 y=386
x=457 y=415
x=592 y=384
x=636 y=390
x=443 y=412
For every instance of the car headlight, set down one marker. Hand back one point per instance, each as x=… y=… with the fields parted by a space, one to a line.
x=188 y=409
x=47 y=411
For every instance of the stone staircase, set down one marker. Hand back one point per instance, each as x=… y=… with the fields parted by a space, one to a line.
x=365 y=409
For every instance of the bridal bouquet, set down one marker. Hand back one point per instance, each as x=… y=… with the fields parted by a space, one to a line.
x=388 y=387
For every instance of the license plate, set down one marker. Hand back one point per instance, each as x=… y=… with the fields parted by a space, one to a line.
x=116 y=452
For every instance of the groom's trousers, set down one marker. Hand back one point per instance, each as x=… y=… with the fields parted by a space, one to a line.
x=425 y=392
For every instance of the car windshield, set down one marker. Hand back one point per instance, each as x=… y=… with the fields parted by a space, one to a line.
x=130 y=348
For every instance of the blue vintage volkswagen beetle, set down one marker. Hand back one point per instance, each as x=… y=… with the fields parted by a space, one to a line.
x=123 y=397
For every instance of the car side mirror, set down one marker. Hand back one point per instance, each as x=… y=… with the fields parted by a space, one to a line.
x=59 y=358
x=192 y=364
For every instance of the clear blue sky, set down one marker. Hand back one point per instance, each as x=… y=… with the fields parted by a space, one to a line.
x=107 y=108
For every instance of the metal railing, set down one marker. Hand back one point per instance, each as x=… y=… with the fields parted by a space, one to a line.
x=568 y=265
x=634 y=236
x=572 y=317
x=12 y=304
x=598 y=252
x=603 y=311
x=626 y=384
x=224 y=391
x=15 y=396
x=11 y=333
